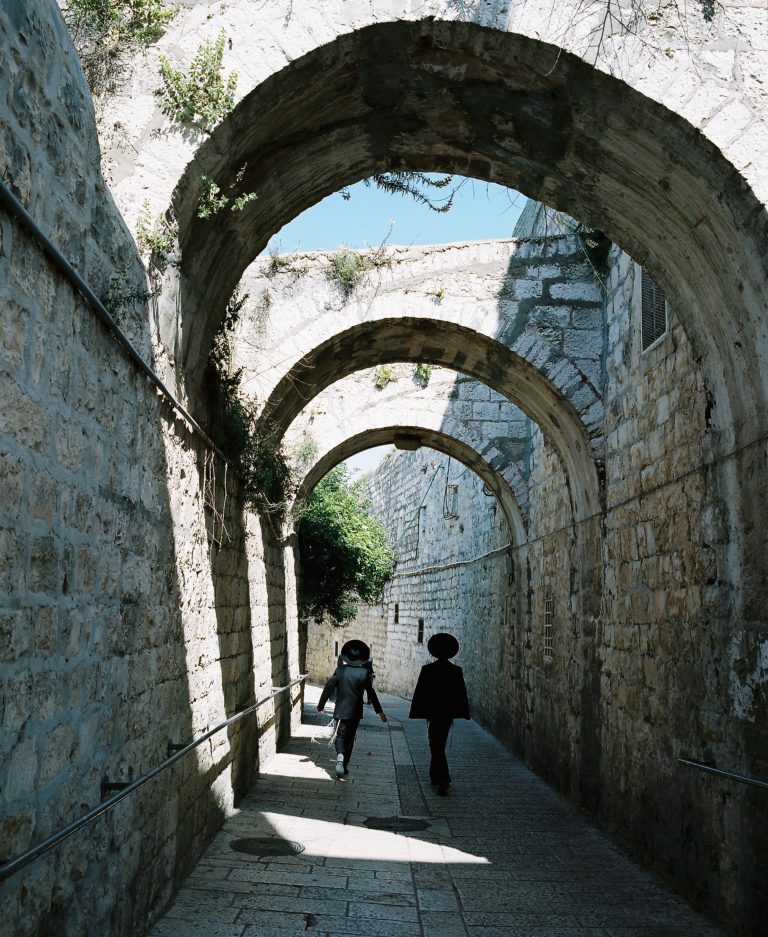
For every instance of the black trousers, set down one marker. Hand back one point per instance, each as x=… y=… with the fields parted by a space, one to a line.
x=438 y=730
x=345 y=738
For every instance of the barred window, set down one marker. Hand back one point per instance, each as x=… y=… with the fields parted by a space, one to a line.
x=549 y=616
x=397 y=612
x=451 y=502
x=654 y=311
x=420 y=635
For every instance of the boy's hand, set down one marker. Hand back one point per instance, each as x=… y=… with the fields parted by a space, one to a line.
x=320 y=708
x=383 y=717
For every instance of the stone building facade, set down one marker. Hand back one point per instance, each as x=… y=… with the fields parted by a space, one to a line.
x=141 y=606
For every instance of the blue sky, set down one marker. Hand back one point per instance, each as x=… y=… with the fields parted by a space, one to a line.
x=480 y=210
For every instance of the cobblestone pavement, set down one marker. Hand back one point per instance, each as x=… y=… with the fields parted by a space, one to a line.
x=503 y=855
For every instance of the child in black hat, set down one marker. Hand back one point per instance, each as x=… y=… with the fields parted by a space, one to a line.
x=353 y=677
x=440 y=697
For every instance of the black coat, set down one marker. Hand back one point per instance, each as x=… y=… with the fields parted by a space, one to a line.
x=440 y=692
x=350 y=680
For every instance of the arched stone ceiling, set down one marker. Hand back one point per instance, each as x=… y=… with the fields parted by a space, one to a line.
x=457 y=97
x=451 y=346
x=451 y=405
x=433 y=439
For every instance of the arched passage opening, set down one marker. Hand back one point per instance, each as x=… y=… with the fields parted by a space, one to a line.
x=458 y=97
x=446 y=344
x=418 y=436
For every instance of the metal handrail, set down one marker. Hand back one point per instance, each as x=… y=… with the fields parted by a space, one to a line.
x=12 y=866
x=711 y=769
x=17 y=210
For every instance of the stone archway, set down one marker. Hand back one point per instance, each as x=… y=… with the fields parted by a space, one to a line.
x=494 y=429
x=420 y=436
x=452 y=346
x=458 y=97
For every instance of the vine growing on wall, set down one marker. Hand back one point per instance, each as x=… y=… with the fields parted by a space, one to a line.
x=155 y=235
x=345 y=553
x=265 y=480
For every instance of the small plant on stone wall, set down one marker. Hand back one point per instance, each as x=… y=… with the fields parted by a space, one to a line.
x=121 y=297
x=386 y=374
x=278 y=263
x=212 y=201
x=347 y=266
x=438 y=294
x=345 y=269
x=106 y=32
x=345 y=553
x=202 y=96
x=422 y=373
x=155 y=234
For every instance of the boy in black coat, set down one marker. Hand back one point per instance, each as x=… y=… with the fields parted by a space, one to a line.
x=440 y=697
x=352 y=678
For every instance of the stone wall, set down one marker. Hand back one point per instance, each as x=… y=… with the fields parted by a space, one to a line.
x=650 y=673
x=139 y=606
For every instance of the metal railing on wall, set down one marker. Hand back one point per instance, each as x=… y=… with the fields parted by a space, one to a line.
x=722 y=773
x=125 y=789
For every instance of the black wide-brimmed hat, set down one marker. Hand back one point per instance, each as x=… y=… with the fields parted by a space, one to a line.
x=356 y=650
x=443 y=645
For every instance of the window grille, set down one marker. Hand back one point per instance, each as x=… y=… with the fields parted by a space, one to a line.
x=549 y=616
x=420 y=635
x=335 y=648
x=451 y=502
x=654 y=311
x=397 y=612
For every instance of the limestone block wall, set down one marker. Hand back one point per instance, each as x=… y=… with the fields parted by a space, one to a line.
x=138 y=606
x=670 y=645
x=603 y=704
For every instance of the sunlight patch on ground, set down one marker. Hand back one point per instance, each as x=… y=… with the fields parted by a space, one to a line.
x=341 y=841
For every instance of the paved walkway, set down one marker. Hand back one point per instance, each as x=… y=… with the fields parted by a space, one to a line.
x=503 y=855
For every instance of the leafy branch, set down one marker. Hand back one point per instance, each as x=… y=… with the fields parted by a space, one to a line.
x=201 y=97
x=413 y=184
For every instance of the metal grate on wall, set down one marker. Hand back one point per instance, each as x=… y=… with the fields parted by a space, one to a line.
x=654 y=311
x=549 y=617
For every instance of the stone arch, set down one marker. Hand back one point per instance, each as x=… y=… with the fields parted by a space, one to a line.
x=455 y=96
x=432 y=439
x=537 y=297
x=452 y=346
x=352 y=407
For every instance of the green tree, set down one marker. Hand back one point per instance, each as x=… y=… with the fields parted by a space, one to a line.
x=345 y=554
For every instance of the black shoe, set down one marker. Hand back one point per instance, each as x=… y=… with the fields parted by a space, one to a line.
x=339 y=767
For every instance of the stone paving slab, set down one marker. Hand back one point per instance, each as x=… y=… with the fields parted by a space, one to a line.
x=504 y=855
